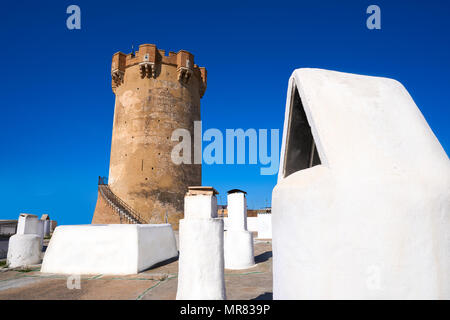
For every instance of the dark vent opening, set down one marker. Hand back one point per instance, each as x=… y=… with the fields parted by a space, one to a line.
x=301 y=151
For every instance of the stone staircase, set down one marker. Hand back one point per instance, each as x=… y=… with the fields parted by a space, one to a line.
x=125 y=212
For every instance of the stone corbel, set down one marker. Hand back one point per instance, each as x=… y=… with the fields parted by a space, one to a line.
x=147 y=69
x=117 y=76
x=202 y=89
x=184 y=74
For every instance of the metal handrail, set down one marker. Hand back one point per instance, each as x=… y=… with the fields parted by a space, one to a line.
x=121 y=205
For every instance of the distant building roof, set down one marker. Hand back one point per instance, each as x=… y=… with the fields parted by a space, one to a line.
x=8 y=221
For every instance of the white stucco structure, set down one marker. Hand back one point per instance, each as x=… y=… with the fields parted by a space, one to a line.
x=264 y=226
x=114 y=249
x=201 y=262
x=46 y=219
x=46 y=228
x=237 y=210
x=27 y=224
x=201 y=206
x=238 y=241
x=252 y=224
x=40 y=231
x=24 y=250
x=25 y=247
x=364 y=211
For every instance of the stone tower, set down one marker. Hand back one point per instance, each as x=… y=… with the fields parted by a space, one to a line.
x=155 y=94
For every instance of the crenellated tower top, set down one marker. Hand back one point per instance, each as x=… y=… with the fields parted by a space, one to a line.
x=149 y=59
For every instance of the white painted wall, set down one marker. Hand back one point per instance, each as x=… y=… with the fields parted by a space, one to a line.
x=155 y=245
x=264 y=225
x=108 y=249
x=252 y=224
x=373 y=220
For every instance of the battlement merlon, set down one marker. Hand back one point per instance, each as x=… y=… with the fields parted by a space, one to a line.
x=149 y=56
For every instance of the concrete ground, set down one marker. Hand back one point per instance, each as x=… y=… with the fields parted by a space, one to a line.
x=158 y=283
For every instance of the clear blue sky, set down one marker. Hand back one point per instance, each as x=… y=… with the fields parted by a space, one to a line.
x=57 y=104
